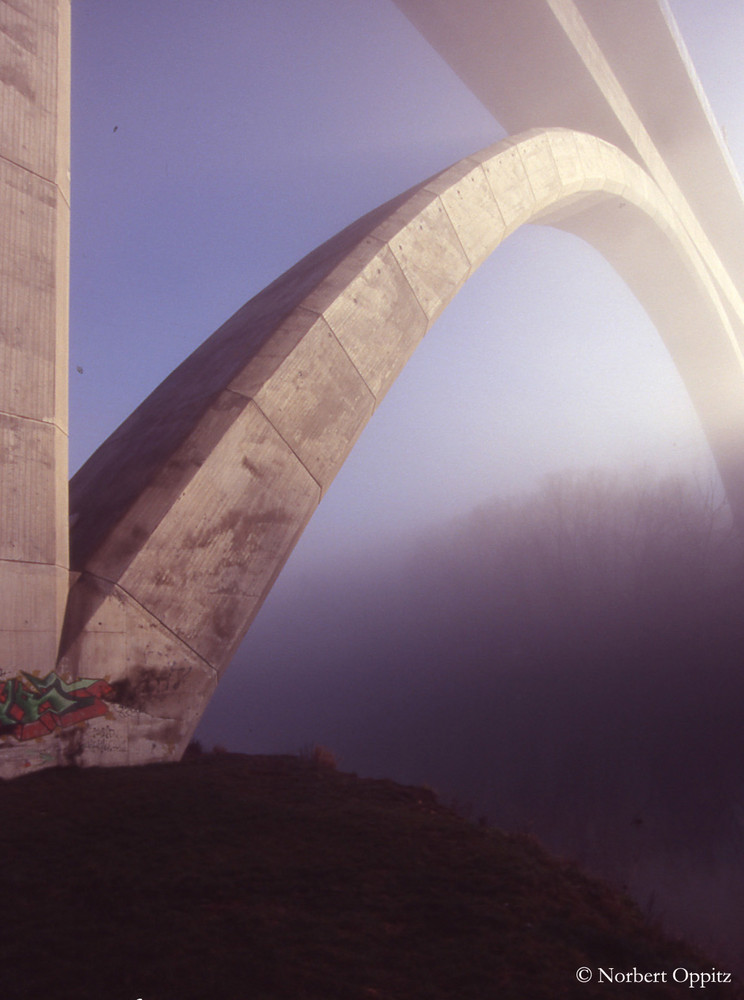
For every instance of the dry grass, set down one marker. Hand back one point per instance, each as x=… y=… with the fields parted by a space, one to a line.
x=232 y=878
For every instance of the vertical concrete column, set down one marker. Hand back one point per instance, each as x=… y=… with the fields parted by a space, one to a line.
x=34 y=265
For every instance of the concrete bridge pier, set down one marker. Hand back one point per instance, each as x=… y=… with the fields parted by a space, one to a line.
x=34 y=264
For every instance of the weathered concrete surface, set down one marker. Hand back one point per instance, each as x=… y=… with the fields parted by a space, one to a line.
x=34 y=256
x=175 y=564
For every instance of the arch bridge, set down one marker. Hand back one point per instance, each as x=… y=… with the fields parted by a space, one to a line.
x=183 y=518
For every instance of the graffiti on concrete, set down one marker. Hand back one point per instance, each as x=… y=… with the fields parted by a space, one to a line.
x=37 y=706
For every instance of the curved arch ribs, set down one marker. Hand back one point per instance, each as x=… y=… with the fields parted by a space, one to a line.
x=184 y=517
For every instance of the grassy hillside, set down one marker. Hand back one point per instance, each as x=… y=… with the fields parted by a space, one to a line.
x=231 y=877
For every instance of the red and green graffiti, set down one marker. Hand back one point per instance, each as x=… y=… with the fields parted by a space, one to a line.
x=39 y=705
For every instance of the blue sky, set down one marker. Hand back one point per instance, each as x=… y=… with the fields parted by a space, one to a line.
x=217 y=141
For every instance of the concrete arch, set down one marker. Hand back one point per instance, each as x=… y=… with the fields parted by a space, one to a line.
x=182 y=520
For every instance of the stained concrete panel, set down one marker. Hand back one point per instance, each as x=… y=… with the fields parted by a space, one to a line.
x=541 y=169
x=315 y=398
x=568 y=162
x=428 y=248
x=31 y=609
x=29 y=57
x=160 y=686
x=119 y=547
x=28 y=603
x=507 y=177
x=28 y=293
x=31 y=528
x=373 y=312
x=206 y=567
x=598 y=167
x=472 y=209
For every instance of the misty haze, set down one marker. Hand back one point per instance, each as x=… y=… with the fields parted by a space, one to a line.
x=565 y=662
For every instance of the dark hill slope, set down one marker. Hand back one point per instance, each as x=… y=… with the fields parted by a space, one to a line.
x=230 y=877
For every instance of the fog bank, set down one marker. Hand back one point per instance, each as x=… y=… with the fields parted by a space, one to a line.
x=567 y=662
